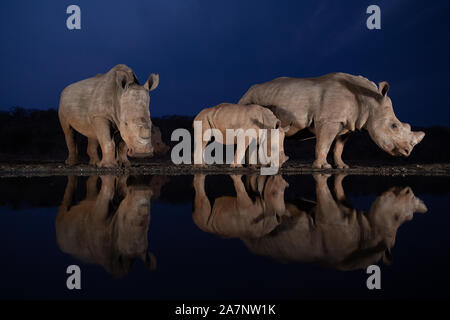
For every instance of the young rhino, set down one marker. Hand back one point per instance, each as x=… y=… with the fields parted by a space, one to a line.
x=234 y=117
x=102 y=105
x=333 y=105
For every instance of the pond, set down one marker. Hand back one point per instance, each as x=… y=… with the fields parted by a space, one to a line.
x=225 y=236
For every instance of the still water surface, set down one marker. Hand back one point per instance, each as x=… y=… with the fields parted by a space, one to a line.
x=221 y=236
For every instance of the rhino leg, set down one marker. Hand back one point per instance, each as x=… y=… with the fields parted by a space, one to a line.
x=237 y=162
x=243 y=200
x=338 y=189
x=325 y=134
x=202 y=150
x=69 y=135
x=103 y=133
x=91 y=187
x=68 y=193
x=122 y=154
x=92 y=151
x=327 y=210
x=342 y=201
x=338 y=148
x=202 y=206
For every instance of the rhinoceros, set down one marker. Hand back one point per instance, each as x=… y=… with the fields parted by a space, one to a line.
x=109 y=227
x=108 y=103
x=240 y=216
x=331 y=233
x=331 y=106
x=231 y=116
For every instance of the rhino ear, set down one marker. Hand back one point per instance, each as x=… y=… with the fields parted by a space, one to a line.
x=152 y=82
x=383 y=88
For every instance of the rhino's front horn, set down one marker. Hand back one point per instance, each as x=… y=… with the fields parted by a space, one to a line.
x=418 y=136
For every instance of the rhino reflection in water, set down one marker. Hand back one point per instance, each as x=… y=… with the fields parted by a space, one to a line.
x=241 y=216
x=109 y=227
x=327 y=232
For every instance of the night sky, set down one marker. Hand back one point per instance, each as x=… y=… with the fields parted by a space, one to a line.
x=211 y=51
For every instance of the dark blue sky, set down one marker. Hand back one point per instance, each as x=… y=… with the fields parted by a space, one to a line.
x=211 y=51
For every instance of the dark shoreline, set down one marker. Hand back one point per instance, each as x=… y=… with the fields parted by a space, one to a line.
x=165 y=167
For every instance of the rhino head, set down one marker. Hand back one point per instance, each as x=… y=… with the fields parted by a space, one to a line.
x=391 y=135
x=131 y=228
x=389 y=211
x=135 y=125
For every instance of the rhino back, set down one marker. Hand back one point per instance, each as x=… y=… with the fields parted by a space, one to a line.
x=333 y=96
x=232 y=116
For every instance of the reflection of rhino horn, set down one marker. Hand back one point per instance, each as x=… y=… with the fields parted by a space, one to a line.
x=149 y=260
x=420 y=206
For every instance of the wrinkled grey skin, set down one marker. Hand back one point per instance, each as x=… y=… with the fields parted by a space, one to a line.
x=333 y=105
x=109 y=227
x=331 y=233
x=111 y=110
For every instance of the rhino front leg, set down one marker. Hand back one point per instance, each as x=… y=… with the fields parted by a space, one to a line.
x=122 y=154
x=91 y=187
x=327 y=210
x=325 y=134
x=243 y=200
x=92 y=151
x=338 y=148
x=103 y=132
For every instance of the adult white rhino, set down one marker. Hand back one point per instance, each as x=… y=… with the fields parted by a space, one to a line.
x=331 y=106
x=106 y=104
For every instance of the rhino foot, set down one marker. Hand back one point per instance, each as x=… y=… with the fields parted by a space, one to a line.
x=125 y=163
x=107 y=164
x=321 y=165
x=342 y=166
x=94 y=162
x=71 y=162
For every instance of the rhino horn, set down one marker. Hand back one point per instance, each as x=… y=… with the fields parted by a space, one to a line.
x=418 y=136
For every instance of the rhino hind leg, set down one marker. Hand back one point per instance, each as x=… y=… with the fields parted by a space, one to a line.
x=325 y=134
x=92 y=151
x=69 y=135
x=338 y=148
x=202 y=207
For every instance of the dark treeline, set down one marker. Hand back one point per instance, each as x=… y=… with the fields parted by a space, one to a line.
x=35 y=135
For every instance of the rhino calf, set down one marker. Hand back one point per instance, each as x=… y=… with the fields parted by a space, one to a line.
x=106 y=104
x=234 y=117
x=333 y=105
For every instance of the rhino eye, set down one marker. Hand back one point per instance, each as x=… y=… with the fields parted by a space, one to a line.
x=394 y=126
